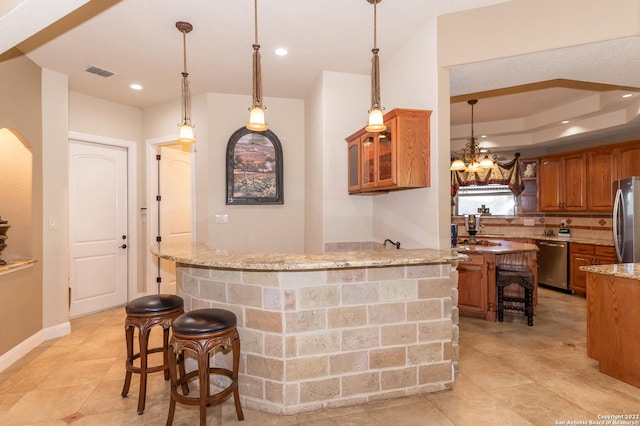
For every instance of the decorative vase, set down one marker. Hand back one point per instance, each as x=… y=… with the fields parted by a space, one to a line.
x=4 y=227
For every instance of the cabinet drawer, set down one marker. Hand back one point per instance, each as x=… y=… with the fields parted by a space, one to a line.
x=605 y=251
x=582 y=248
x=474 y=259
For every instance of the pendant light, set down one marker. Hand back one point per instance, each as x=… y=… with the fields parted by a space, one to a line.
x=256 y=114
x=187 y=132
x=376 y=119
x=471 y=152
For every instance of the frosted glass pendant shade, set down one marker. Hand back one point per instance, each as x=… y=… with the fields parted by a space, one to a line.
x=376 y=121
x=187 y=134
x=256 y=120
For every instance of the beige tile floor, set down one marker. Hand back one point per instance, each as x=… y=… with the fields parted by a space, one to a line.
x=509 y=374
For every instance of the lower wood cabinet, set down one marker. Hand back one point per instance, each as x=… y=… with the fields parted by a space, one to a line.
x=585 y=255
x=472 y=286
x=613 y=335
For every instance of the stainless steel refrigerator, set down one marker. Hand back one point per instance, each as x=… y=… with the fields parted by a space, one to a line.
x=626 y=220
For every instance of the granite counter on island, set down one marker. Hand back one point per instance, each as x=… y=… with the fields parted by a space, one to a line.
x=477 y=277
x=330 y=329
x=613 y=319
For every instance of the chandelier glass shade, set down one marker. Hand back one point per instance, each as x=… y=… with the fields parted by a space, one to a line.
x=469 y=157
x=256 y=111
x=376 y=120
x=187 y=132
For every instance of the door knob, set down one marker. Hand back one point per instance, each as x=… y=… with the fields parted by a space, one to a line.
x=124 y=246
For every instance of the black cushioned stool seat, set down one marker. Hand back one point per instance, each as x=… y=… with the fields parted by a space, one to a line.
x=144 y=313
x=202 y=332
x=522 y=276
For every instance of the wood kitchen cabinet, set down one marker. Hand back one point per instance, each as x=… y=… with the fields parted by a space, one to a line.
x=562 y=183
x=395 y=159
x=586 y=255
x=601 y=172
x=472 y=286
x=627 y=160
x=613 y=335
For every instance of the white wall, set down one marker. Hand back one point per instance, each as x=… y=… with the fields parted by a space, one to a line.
x=314 y=172
x=345 y=102
x=409 y=79
x=257 y=228
x=55 y=205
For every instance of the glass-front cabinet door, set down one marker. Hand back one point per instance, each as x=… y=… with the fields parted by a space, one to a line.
x=386 y=156
x=368 y=161
x=354 y=166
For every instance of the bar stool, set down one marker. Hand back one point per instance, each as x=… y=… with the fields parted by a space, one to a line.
x=144 y=313
x=515 y=274
x=202 y=332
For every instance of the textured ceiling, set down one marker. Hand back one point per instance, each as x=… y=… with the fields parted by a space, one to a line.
x=138 y=41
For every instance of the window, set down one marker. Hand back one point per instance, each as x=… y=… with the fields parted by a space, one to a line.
x=497 y=200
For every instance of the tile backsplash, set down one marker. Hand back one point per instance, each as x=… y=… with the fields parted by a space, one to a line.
x=592 y=226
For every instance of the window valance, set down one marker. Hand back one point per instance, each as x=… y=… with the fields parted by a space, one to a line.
x=509 y=173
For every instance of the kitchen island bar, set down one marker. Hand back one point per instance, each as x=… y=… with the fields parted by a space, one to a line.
x=613 y=319
x=330 y=329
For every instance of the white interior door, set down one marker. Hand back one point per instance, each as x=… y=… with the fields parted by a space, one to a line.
x=174 y=207
x=98 y=227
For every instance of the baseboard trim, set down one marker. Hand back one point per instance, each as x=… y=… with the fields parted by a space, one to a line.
x=21 y=349
x=56 y=331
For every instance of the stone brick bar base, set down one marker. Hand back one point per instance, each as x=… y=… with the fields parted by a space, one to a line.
x=338 y=337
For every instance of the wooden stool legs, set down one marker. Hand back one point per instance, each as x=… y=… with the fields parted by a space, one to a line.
x=143 y=314
x=214 y=330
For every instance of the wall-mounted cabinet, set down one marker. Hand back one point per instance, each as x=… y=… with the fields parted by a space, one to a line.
x=563 y=183
x=584 y=180
x=529 y=196
x=395 y=159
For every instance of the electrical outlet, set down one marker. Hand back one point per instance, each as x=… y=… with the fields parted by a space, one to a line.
x=529 y=221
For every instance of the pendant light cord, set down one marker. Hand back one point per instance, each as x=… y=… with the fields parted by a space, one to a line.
x=255 y=19
x=375 y=25
x=184 y=50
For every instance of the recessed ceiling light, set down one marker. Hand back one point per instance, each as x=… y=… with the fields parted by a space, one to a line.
x=483 y=136
x=565 y=121
x=627 y=95
x=281 y=51
x=136 y=86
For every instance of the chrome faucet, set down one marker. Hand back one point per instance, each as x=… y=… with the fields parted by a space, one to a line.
x=389 y=241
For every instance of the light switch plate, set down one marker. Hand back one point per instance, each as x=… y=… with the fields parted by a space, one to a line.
x=529 y=221
x=222 y=218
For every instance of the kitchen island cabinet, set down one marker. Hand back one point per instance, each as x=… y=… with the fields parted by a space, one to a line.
x=613 y=334
x=477 y=277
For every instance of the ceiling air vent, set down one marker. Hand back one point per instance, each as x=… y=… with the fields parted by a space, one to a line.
x=98 y=71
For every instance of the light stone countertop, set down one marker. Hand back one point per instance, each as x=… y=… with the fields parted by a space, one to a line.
x=623 y=270
x=504 y=247
x=16 y=265
x=199 y=254
x=579 y=240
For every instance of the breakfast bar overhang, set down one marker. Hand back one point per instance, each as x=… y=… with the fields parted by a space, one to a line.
x=330 y=329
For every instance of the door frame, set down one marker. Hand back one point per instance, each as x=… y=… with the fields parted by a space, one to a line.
x=151 y=209
x=132 y=202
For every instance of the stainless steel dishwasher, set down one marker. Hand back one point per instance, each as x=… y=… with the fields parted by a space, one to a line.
x=553 y=264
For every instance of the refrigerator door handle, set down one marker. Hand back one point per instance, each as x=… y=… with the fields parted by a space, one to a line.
x=616 y=206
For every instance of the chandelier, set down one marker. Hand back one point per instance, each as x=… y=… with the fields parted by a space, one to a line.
x=187 y=133
x=256 y=114
x=467 y=158
x=376 y=120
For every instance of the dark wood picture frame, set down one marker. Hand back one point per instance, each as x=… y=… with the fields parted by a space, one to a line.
x=254 y=168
